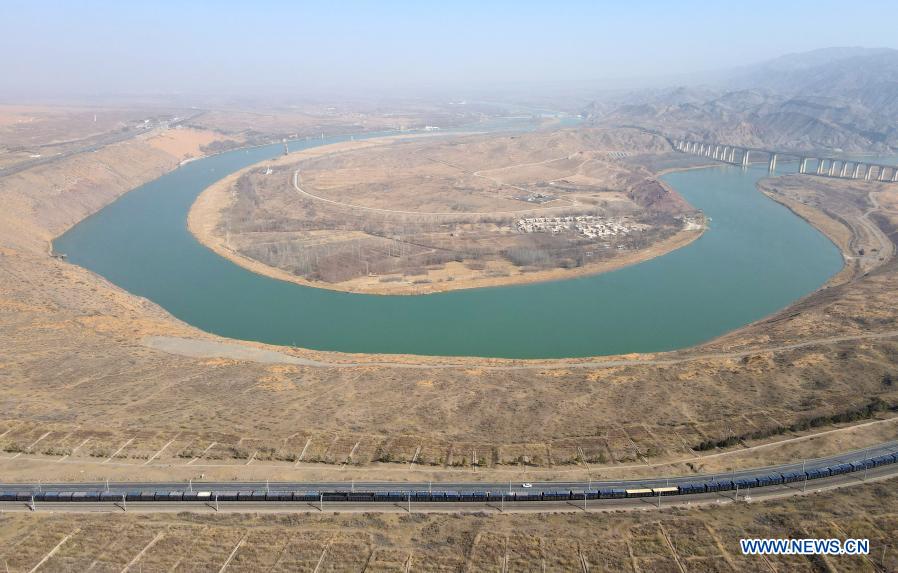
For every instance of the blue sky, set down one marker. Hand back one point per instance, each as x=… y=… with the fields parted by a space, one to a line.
x=195 y=46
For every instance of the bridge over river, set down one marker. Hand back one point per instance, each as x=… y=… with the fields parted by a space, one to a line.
x=807 y=164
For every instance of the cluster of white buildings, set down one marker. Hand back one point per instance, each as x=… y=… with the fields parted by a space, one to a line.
x=589 y=226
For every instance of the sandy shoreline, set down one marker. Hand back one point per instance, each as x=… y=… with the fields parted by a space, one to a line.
x=205 y=216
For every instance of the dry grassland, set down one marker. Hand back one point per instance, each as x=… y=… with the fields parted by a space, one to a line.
x=85 y=396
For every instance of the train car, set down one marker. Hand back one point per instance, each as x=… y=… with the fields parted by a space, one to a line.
x=50 y=496
x=639 y=492
x=665 y=491
x=171 y=496
x=720 y=485
x=481 y=496
x=307 y=496
x=841 y=469
x=65 y=495
x=691 y=488
x=768 y=480
x=7 y=496
x=453 y=496
x=882 y=460
x=225 y=495
x=592 y=494
x=109 y=496
x=80 y=496
x=132 y=496
x=556 y=495
x=204 y=496
x=146 y=496
x=746 y=483
x=361 y=496
x=818 y=473
x=190 y=496
x=861 y=465
x=790 y=477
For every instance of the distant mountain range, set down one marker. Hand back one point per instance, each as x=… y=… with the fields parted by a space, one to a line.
x=836 y=99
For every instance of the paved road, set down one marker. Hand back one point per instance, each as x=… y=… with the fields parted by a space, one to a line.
x=494 y=488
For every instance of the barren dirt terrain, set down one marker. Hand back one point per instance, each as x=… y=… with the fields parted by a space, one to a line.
x=100 y=383
x=411 y=216
x=674 y=540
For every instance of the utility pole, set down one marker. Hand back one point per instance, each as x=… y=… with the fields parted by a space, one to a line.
x=124 y=503
x=659 y=500
x=736 y=496
x=107 y=484
x=502 y=503
x=33 y=507
x=216 y=501
x=321 y=503
x=409 y=502
x=584 y=501
x=190 y=485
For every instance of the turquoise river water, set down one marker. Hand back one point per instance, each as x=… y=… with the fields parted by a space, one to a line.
x=756 y=258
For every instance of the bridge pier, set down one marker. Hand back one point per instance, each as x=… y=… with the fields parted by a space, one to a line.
x=771 y=165
x=844 y=171
x=803 y=165
x=857 y=171
x=821 y=163
x=732 y=155
x=894 y=174
x=882 y=173
x=869 y=172
x=746 y=155
x=832 y=167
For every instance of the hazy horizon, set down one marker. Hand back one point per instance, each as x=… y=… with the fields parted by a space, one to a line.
x=94 y=48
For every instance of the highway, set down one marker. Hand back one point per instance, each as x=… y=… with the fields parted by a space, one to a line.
x=498 y=491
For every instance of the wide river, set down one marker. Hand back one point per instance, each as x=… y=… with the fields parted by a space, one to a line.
x=756 y=258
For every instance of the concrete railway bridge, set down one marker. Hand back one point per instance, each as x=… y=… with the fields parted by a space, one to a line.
x=807 y=164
